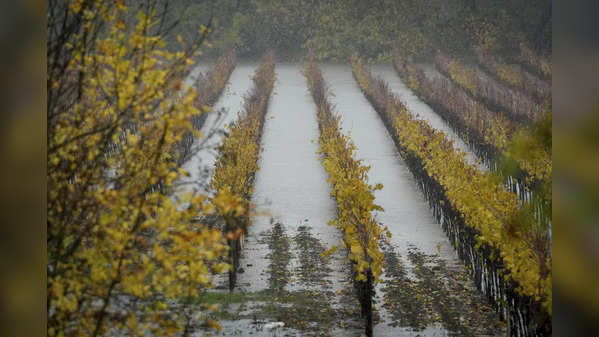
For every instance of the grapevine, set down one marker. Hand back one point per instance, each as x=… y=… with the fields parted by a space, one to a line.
x=237 y=161
x=474 y=197
x=354 y=196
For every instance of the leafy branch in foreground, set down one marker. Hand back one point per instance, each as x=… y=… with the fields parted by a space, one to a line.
x=123 y=257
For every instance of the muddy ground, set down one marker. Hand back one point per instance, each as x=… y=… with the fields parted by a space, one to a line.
x=420 y=294
x=299 y=294
x=424 y=291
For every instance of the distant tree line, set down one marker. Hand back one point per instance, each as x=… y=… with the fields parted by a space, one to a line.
x=334 y=29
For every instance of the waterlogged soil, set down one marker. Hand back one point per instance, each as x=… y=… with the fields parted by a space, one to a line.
x=425 y=289
x=435 y=295
x=311 y=308
x=421 y=294
x=279 y=257
x=313 y=269
x=290 y=187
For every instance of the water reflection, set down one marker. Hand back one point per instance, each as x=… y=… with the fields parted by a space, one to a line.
x=291 y=186
x=421 y=109
x=429 y=265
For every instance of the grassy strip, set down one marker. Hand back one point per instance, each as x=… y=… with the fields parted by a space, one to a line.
x=354 y=196
x=237 y=160
x=482 y=219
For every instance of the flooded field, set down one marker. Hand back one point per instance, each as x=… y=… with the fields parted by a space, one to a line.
x=422 y=270
x=200 y=166
x=421 y=109
x=425 y=290
x=297 y=168
x=283 y=276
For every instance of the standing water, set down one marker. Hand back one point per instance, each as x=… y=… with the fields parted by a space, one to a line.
x=425 y=289
x=283 y=274
x=284 y=277
x=201 y=165
x=422 y=110
x=291 y=192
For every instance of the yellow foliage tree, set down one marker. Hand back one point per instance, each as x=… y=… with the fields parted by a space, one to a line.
x=123 y=257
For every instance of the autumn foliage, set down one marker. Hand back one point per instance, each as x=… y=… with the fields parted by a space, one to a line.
x=123 y=257
x=508 y=148
x=516 y=104
x=354 y=196
x=515 y=76
x=478 y=197
x=238 y=156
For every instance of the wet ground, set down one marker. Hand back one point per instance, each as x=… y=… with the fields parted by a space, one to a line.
x=421 y=109
x=284 y=275
x=418 y=243
x=201 y=164
x=300 y=296
x=290 y=188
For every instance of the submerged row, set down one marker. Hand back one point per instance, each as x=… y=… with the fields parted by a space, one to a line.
x=284 y=212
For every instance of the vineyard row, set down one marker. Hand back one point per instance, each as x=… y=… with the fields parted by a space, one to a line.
x=237 y=161
x=511 y=265
x=488 y=134
x=209 y=88
x=517 y=105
